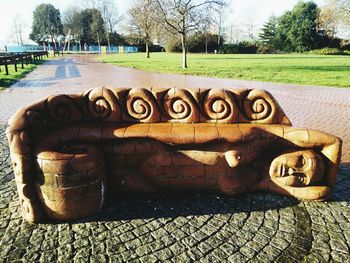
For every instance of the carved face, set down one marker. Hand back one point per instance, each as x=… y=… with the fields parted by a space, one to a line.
x=297 y=168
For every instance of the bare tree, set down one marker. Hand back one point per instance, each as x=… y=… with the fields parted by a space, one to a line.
x=218 y=18
x=144 y=16
x=110 y=15
x=335 y=17
x=344 y=8
x=184 y=16
x=250 y=27
x=17 y=30
x=329 y=20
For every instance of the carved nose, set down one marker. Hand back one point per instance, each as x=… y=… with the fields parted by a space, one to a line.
x=291 y=171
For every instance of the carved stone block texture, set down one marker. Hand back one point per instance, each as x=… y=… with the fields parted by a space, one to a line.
x=70 y=181
x=69 y=151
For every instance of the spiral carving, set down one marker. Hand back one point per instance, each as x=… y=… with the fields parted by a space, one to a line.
x=141 y=105
x=258 y=106
x=220 y=106
x=62 y=108
x=180 y=105
x=36 y=120
x=102 y=104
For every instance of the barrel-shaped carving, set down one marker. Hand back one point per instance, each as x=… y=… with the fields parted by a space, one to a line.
x=180 y=106
x=221 y=106
x=141 y=105
x=70 y=181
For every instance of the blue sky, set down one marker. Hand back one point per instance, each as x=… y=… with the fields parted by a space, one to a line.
x=243 y=11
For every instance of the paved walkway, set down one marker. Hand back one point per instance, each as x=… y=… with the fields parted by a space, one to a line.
x=258 y=227
x=322 y=108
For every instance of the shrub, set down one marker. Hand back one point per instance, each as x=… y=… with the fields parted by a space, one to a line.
x=327 y=51
x=243 y=47
x=229 y=49
x=263 y=49
x=196 y=43
x=152 y=48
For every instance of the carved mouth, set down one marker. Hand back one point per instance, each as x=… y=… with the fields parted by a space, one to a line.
x=282 y=170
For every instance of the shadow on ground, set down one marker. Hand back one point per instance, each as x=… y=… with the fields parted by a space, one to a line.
x=147 y=206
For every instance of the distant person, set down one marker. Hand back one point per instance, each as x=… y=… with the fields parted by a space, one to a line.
x=85 y=47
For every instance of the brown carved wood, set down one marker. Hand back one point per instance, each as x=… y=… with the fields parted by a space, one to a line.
x=151 y=140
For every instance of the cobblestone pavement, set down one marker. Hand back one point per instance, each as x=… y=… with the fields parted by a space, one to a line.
x=259 y=226
x=322 y=108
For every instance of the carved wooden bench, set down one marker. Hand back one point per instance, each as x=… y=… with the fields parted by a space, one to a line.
x=69 y=150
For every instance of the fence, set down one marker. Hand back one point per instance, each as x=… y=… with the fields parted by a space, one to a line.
x=76 y=48
x=24 y=48
x=102 y=49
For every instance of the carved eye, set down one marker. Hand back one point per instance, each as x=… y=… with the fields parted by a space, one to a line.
x=302 y=178
x=301 y=161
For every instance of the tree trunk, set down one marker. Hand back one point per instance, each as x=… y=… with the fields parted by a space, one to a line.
x=108 y=42
x=184 y=51
x=206 y=43
x=53 y=40
x=147 y=41
x=20 y=36
x=219 y=32
x=98 y=42
x=147 y=49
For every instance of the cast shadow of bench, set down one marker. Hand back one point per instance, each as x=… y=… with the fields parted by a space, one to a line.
x=172 y=205
x=341 y=190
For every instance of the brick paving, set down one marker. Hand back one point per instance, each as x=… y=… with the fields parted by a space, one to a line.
x=155 y=228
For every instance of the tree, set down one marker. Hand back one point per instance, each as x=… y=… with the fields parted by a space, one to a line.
x=249 y=27
x=184 y=16
x=268 y=34
x=297 y=29
x=110 y=16
x=92 y=25
x=329 y=20
x=144 y=16
x=46 y=23
x=18 y=30
x=72 y=24
x=343 y=6
x=282 y=32
x=218 y=17
x=334 y=15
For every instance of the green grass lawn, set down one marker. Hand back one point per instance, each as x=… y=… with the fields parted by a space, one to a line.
x=285 y=68
x=8 y=80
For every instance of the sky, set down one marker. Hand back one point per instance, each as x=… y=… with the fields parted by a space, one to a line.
x=242 y=12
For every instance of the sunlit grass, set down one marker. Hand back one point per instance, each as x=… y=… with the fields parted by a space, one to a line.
x=7 y=80
x=281 y=68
